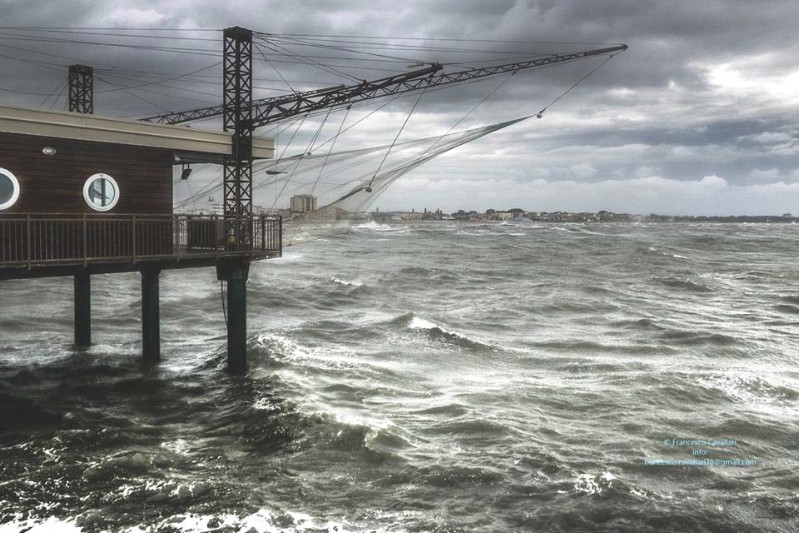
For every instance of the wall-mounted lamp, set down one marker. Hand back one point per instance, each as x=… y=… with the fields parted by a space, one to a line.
x=48 y=150
x=184 y=175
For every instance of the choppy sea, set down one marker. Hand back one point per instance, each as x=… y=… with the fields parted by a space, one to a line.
x=433 y=377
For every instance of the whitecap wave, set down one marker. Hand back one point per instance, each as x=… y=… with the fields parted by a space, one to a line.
x=472 y=233
x=260 y=521
x=751 y=390
x=376 y=226
x=340 y=281
x=47 y=525
x=421 y=323
x=594 y=484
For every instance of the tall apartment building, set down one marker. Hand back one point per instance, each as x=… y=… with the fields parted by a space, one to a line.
x=303 y=203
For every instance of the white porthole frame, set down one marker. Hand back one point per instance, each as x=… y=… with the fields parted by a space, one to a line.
x=88 y=184
x=14 y=185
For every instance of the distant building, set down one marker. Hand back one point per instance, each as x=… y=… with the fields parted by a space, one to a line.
x=303 y=203
x=270 y=211
x=328 y=213
x=214 y=207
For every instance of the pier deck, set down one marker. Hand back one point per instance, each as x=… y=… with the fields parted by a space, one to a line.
x=44 y=245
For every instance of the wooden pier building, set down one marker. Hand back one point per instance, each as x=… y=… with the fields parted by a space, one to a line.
x=83 y=194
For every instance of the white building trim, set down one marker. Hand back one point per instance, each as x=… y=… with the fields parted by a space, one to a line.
x=102 y=129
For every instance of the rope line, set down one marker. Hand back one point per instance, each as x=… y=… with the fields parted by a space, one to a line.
x=261 y=50
x=327 y=157
x=397 y=136
x=578 y=82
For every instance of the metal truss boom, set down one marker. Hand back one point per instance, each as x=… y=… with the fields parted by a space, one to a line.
x=269 y=110
x=299 y=100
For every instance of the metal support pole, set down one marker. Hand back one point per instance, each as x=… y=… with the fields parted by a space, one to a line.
x=150 y=315
x=235 y=273
x=83 y=309
x=237 y=119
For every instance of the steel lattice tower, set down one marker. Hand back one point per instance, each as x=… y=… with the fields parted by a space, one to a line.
x=81 y=89
x=237 y=119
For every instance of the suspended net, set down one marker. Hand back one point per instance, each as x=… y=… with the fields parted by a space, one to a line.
x=321 y=193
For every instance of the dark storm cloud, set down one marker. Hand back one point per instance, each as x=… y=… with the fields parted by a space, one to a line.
x=704 y=89
x=73 y=13
x=665 y=37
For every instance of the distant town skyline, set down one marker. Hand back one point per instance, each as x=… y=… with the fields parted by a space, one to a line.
x=569 y=216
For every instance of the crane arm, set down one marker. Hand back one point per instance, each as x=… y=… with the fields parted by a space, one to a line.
x=299 y=100
x=269 y=110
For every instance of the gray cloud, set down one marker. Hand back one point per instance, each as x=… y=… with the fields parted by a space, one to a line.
x=704 y=90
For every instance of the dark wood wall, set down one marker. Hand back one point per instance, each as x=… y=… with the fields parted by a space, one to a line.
x=54 y=184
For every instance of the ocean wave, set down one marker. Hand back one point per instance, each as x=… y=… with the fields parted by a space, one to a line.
x=684 y=284
x=382 y=228
x=751 y=389
x=791 y=309
x=592 y=347
x=697 y=338
x=19 y=412
x=316 y=351
x=274 y=350
x=260 y=521
x=348 y=434
x=288 y=257
x=633 y=324
x=592 y=367
x=438 y=333
x=596 y=484
x=794 y=300
x=485 y=430
x=447 y=410
x=346 y=283
x=785 y=507
x=654 y=250
x=47 y=524
x=451 y=477
x=583 y=306
x=428 y=275
x=561 y=228
x=271 y=350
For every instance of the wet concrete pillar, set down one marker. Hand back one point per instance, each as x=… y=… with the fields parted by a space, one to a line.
x=235 y=273
x=83 y=309
x=150 y=315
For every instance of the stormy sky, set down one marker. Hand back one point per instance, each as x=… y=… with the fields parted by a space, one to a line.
x=697 y=117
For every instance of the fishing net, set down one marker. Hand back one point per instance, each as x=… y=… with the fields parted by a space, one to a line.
x=320 y=193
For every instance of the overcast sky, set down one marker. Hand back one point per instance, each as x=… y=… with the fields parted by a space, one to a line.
x=697 y=117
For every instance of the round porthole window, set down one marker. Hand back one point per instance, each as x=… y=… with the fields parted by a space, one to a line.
x=101 y=192
x=9 y=189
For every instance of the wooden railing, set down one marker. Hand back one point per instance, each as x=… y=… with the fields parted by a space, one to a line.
x=43 y=239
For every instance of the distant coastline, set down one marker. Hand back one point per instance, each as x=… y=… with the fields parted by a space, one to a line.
x=520 y=215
